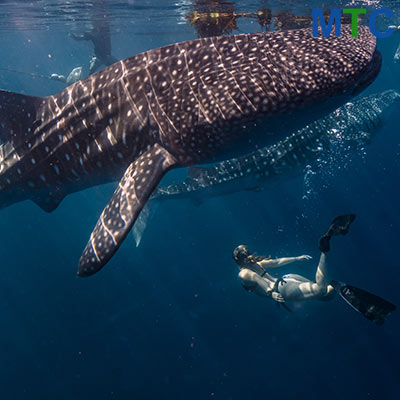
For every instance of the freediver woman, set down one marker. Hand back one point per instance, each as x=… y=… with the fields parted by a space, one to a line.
x=292 y=287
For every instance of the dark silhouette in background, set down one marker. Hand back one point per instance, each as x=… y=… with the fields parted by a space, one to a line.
x=100 y=36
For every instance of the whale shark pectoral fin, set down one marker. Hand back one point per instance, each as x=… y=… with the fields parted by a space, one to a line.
x=119 y=215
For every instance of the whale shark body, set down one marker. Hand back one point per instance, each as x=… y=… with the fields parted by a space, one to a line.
x=351 y=125
x=178 y=105
x=348 y=127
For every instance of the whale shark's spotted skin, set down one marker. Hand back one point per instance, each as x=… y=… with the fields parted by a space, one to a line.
x=352 y=124
x=169 y=107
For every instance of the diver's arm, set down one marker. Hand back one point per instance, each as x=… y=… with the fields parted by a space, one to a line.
x=280 y=262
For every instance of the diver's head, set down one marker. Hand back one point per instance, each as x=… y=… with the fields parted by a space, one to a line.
x=245 y=259
x=241 y=255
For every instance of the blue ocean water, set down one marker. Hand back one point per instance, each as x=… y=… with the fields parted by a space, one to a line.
x=169 y=319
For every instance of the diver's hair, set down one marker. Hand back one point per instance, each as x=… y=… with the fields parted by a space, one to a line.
x=254 y=259
x=245 y=259
x=259 y=258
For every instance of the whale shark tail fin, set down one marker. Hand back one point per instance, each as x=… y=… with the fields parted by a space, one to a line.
x=20 y=121
x=369 y=305
x=139 y=180
x=18 y=117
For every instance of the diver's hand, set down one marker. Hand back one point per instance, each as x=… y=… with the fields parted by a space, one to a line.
x=278 y=297
x=304 y=257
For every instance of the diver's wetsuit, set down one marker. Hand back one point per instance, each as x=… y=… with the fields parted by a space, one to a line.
x=254 y=277
x=291 y=287
x=296 y=287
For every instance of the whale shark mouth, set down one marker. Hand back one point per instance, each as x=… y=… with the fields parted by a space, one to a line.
x=371 y=72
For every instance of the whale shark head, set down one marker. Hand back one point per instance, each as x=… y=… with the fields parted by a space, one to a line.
x=366 y=60
x=303 y=78
x=307 y=67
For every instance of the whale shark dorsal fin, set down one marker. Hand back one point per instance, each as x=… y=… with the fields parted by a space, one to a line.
x=119 y=215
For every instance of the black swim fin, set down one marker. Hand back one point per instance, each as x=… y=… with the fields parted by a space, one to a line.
x=339 y=226
x=371 y=306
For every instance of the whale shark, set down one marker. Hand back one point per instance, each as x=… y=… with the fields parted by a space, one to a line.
x=349 y=127
x=179 y=105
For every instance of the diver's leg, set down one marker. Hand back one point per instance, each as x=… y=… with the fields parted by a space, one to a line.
x=321 y=276
x=297 y=289
x=321 y=287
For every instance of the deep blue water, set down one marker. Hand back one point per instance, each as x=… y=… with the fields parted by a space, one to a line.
x=170 y=319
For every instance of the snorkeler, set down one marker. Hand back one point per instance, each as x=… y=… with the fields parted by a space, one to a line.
x=101 y=38
x=213 y=18
x=255 y=278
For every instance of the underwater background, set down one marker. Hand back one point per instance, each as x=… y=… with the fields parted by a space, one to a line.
x=169 y=319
